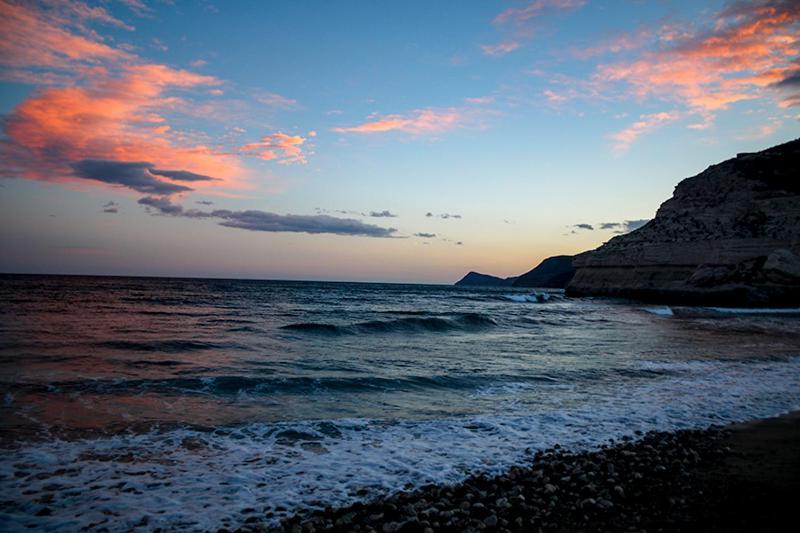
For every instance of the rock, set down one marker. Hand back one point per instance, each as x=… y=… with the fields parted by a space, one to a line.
x=588 y=503
x=550 y=489
x=554 y=272
x=476 y=279
x=782 y=266
x=490 y=521
x=728 y=236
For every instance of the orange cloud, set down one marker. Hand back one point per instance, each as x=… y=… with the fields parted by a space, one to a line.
x=112 y=109
x=286 y=149
x=113 y=119
x=35 y=38
x=750 y=47
x=623 y=139
x=420 y=122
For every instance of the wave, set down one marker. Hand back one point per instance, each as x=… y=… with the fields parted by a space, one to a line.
x=534 y=297
x=409 y=324
x=232 y=385
x=193 y=479
x=165 y=346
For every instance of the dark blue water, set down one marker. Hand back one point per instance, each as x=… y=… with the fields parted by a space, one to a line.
x=178 y=403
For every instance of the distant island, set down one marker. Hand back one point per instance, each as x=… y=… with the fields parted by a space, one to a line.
x=552 y=273
x=728 y=236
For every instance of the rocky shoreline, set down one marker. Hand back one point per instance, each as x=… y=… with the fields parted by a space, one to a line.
x=736 y=478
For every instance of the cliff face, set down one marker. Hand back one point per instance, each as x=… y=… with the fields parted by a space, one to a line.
x=552 y=273
x=728 y=236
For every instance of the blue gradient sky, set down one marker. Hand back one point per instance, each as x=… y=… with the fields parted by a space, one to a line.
x=524 y=119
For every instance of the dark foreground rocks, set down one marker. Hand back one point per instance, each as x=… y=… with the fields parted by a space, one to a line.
x=742 y=478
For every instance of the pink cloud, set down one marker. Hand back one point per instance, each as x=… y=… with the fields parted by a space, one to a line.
x=35 y=38
x=523 y=14
x=109 y=108
x=519 y=23
x=751 y=46
x=419 y=122
x=275 y=100
x=285 y=149
x=499 y=49
x=480 y=100
x=624 y=138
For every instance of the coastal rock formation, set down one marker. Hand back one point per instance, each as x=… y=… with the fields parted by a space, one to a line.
x=552 y=273
x=728 y=236
x=476 y=279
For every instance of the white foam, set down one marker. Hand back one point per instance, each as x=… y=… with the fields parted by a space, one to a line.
x=755 y=311
x=536 y=297
x=191 y=480
x=660 y=311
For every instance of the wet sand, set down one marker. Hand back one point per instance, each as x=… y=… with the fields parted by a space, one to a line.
x=743 y=477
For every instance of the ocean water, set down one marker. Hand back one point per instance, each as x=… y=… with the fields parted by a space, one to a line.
x=194 y=404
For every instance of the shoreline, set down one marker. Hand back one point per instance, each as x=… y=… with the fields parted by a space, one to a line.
x=739 y=477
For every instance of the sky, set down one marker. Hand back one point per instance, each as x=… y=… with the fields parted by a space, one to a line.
x=368 y=141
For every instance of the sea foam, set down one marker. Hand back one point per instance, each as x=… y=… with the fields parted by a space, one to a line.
x=196 y=479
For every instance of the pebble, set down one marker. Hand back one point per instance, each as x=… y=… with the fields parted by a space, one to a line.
x=619 y=487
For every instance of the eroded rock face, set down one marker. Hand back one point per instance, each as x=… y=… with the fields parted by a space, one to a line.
x=728 y=236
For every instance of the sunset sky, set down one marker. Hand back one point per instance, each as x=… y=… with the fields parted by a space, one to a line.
x=375 y=141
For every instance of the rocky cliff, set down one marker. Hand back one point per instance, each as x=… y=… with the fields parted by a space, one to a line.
x=728 y=236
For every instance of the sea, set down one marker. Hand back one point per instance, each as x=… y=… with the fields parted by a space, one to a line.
x=195 y=404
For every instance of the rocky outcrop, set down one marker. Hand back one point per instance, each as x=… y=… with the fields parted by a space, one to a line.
x=728 y=236
x=476 y=279
x=552 y=273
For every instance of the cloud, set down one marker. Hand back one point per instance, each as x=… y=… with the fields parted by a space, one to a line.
x=286 y=149
x=111 y=207
x=749 y=47
x=425 y=235
x=630 y=225
x=257 y=220
x=384 y=214
x=30 y=38
x=109 y=104
x=584 y=226
x=162 y=204
x=624 y=138
x=444 y=216
x=419 y=122
x=254 y=220
x=625 y=226
x=499 y=49
x=204 y=202
x=139 y=176
x=275 y=100
x=790 y=82
x=519 y=15
x=480 y=100
x=521 y=23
